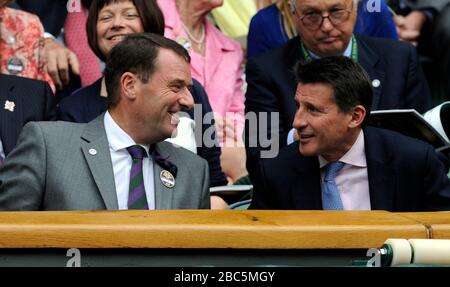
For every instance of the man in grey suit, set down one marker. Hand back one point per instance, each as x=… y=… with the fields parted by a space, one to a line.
x=94 y=166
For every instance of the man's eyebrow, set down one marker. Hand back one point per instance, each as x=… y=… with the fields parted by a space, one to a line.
x=178 y=82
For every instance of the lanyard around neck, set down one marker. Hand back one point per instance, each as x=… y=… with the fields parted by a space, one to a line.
x=354 y=52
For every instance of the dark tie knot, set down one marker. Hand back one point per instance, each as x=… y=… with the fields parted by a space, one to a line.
x=331 y=169
x=137 y=151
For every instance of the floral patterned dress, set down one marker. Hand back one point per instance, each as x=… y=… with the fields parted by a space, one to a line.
x=22 y=45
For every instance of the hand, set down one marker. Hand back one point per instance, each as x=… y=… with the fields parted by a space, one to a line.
x=232 y=161
x=217 y=202
x=225 y=130
x=409 y=27
x=59 y=58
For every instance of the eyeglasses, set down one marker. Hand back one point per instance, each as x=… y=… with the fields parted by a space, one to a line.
x=314 y=20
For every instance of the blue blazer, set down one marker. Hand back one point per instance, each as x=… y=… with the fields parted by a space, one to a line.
x=394 y=64
x=86 y=104
x=33 y=100
x=404 y=175
x=267 y=30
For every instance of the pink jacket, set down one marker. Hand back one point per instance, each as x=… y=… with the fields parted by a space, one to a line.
x=220 y=71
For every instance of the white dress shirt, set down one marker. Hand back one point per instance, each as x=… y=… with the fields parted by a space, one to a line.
x=352 y=181
x=119 y=140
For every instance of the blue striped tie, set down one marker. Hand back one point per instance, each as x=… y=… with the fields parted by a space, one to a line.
x=331 y=200
x=136 y=197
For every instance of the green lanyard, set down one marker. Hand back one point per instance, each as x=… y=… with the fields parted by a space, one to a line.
x=354 y=54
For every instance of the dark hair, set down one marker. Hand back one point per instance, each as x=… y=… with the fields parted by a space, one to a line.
x=136 y=54
x=350 y=82
x=149 y=12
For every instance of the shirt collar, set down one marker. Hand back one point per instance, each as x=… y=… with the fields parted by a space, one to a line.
x=118 y=139
x=355 y=156
x=347 y=52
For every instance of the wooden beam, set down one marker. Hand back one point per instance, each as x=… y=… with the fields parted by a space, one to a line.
x=238 y=229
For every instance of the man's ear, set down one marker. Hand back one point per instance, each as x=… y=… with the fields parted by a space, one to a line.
x=358 y=114
x=128 y=85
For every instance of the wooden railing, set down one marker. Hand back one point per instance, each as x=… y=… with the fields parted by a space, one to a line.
x=193 y=229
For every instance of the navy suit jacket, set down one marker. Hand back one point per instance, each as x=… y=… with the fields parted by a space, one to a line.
x=404 y=175
x=33 y=100
x=272 y=84
x=86 y=104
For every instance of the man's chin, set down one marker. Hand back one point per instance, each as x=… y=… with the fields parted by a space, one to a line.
x=332 y=49
x=306 y=152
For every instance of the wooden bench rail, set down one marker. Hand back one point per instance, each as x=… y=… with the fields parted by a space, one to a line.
x=192 y=229
x=437 y=223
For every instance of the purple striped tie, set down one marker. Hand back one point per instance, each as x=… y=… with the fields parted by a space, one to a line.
x=136 y=196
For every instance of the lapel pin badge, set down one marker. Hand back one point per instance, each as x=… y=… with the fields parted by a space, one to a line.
x=92 y=151
x=376 y=83
x=15 y=66
x=167 y=179
x=9 y=106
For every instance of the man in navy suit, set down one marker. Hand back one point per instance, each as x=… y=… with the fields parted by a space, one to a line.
x=326 y=29
x=339 y=163
x=21 y=100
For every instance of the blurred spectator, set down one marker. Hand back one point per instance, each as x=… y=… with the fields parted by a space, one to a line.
x=426 y=24
x=70 y=62
x=273 y=26
x=21 y=44
x=21 y=100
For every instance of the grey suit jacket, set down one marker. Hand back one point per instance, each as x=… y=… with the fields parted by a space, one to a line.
x=51 y=169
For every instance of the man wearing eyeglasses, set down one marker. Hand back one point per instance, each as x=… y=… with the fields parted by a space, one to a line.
x=325 y=28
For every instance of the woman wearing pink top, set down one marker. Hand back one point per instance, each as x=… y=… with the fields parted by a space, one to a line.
x=217 y=64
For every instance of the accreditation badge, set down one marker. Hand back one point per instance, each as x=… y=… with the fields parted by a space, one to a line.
x=167 y=179
x=15 y=66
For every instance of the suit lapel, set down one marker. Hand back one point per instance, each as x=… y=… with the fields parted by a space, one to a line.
x=306 y=192
x=370 y=62
x=382 y=183
x=163 y=194
x=11 y=122
x=96 y=152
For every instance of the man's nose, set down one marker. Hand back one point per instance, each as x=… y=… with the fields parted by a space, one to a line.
x=326 y=26
x=299 y=120
x=187 y=101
